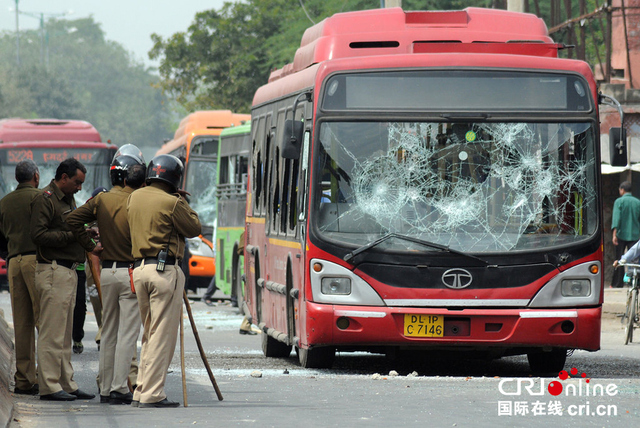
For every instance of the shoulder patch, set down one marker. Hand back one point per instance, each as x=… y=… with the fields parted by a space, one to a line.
x=47 y=193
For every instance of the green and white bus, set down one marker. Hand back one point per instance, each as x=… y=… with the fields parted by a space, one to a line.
x=233 y=160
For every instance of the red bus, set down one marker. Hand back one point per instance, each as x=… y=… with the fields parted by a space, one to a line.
x=426 y=181
x=48 y=142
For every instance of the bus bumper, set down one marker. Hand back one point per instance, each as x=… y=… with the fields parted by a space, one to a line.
x=364 y=327
x=202 y=266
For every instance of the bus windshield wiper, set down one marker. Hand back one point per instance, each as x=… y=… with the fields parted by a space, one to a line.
x=349 y=256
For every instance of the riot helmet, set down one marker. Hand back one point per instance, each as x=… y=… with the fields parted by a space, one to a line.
x=167 y=169
x=126 y=156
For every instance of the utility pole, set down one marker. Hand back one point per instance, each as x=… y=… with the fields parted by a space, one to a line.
x=515 y=5
x=44 y=36
x=17 y=35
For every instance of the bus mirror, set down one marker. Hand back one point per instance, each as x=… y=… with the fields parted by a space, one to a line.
x=292 y=139
x=618 y=146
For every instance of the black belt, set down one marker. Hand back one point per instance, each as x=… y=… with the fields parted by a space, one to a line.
x=26 y=253
x=65 y=263
x=153 y=261
x=109 y=263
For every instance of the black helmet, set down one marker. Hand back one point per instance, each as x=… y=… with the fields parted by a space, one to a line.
x=126 y=156
x=165 y=168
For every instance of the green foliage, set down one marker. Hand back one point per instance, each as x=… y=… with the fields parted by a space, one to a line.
x=74 y=73
x=226 y=54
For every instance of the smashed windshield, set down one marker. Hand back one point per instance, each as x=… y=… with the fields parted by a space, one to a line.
x=200 y=183
x=474 y=187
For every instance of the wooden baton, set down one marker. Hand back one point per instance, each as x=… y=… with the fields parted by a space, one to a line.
x=200 y=348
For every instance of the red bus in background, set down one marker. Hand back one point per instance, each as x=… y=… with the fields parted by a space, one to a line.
x=426 y=181
x=48 y=142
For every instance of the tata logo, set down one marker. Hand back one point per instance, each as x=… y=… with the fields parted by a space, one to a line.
x=457 y=278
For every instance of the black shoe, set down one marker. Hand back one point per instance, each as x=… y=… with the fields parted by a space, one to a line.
x=104 y=399
x=34 y=390
x=58 y=396
x=163 y=403
x=135 y=403
x=120 y=398
x=82 y=395
x=78 y=347
x=249 y=332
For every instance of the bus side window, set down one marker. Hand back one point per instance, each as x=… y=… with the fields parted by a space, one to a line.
x=266 y=200
x=285 y=186
x=224 y=170
x=257 y=182
x=243 y=166
x=274 y=185
x=292 y=220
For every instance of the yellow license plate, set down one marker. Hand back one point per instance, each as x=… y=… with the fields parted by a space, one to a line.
x=423 y=325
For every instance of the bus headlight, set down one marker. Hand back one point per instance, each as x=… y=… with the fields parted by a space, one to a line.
x=198 y=247
x=579 y=285
x=576 y=287
x=336 y=286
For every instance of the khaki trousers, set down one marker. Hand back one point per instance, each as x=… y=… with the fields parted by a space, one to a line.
x=56 y=287
x=25 y=307
x=120 y=329
x=160 y=302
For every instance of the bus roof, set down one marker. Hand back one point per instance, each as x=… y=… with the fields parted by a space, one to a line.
x=203 y=122
x=236 y=130
x=30 y=130
x=393 y=31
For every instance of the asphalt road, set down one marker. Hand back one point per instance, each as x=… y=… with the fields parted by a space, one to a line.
x=360 y=390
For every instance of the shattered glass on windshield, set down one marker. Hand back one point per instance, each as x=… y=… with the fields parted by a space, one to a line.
x=200 y=183
x=476 y=187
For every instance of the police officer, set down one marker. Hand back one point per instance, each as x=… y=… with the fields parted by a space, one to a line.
x=58 y=254
x=15 y=217
x=120 y=314
x=159 y=219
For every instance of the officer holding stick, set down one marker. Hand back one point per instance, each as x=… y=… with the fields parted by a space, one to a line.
x=159 y=219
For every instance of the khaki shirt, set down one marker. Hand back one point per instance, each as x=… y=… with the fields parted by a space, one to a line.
x=110 y=209
x=15 y=219
x=158 y=218
x=49 y=231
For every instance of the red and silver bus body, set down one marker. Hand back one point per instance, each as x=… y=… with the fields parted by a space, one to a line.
x=426 y=180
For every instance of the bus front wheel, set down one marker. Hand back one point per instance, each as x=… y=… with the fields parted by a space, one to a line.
x=316 y=358
x=547 y=363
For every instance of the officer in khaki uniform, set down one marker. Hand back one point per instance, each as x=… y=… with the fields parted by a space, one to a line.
x=159 y=220
x=15 y=217
x=58 y=254
x=120 y=314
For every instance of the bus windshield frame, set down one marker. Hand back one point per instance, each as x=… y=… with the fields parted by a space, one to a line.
x=485 y=187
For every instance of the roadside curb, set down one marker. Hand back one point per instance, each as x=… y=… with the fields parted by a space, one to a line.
x=6 y=368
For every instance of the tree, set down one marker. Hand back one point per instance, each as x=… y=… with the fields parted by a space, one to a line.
x=226 y=54
x=222 y=59
x=83 y=76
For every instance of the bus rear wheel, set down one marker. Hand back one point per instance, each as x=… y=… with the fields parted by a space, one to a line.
x=316 y=358
x=547 y=363
x=274 y=348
